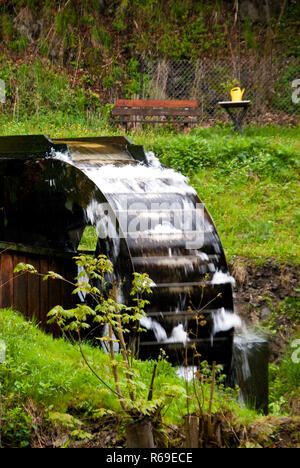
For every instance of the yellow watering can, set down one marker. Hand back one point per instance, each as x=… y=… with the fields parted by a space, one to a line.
x=237 y=94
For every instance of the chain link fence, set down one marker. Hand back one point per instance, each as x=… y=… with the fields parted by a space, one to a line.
x=273 y=86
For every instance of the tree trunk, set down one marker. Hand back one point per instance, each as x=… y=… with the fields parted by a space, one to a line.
x=191 y=431
x=139 y=434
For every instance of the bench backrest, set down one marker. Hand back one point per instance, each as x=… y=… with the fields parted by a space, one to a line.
x=157 y=103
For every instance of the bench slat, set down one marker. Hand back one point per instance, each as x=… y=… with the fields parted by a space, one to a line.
x=169 y=103
x=150 y=122
x=156 y=112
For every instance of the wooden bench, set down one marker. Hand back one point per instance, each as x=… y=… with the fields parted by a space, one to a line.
x=136 y=111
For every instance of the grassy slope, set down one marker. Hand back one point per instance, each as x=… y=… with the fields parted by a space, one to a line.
x=52 y=371
x=49 y=375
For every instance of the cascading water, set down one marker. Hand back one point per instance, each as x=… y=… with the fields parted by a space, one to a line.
x=249 y=369
x=169 y=235
x=156 y=207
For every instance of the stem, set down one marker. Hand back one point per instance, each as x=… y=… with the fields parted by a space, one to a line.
x=150 y=394
x=212 y=389
x=186 y=383
x=95 y=373
x=124 y=353
x=119 y=333
x=12 y=278
x=114 y=368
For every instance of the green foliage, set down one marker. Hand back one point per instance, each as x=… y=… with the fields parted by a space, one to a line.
x=284 y=385
x=45 y=370
x=38 y=89
x=283 y=89
x=249 y=34
x=24 y=267
x=100 y=35
x=287 y=311
x=113 y=77
x=146 y=26
x=284 y=374
x=117 y=317
x=189 y=153
x=132 y=86
x=16 y=424
x=6 y=25
x=89 y=239
x=64 y=420
x=52 y=374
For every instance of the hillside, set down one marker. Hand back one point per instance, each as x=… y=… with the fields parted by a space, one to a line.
x=79 y=55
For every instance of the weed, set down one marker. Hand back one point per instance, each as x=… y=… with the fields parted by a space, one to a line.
x=284 y=384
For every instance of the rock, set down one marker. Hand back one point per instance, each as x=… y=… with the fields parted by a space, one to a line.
x=24 y=23
x=249 y=10
x=265 y=313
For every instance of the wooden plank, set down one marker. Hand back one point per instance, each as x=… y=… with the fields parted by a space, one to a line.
x=54 y=285
x=169 y=103
x=33 y=295
x=169 y=121
x=20 y=286
x=157 y=112
x=44 y=292
x=69 y=271
x=29 y=294
x=55 y=292
x=6 y=280
x=34 y=250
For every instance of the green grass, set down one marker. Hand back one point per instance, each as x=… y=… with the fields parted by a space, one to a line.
x=52 y=374
x=285 y=380
x=256 y=217
x=89 y=239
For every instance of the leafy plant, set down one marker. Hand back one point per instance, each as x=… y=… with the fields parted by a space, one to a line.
x=134 y=397
x=16 y=424
x=284 y=378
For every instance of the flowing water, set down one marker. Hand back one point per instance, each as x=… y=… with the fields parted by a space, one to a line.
x=175 y=241
x=155 y=205
x=249 y=369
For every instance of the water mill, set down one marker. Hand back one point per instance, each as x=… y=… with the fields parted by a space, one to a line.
x=149 y=226
x=148 y=220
